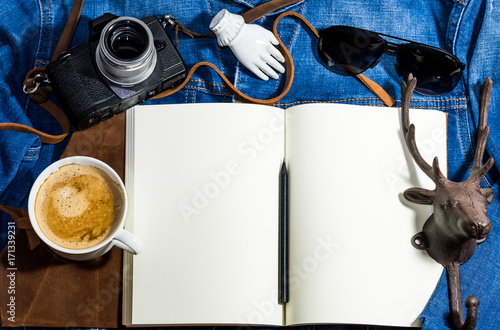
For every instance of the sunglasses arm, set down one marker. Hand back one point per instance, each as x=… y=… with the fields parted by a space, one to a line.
x=370 y=84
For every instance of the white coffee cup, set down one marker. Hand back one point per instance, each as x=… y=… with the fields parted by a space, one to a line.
x=118 y=237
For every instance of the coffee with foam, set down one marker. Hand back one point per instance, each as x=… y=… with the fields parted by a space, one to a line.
x=78 y=206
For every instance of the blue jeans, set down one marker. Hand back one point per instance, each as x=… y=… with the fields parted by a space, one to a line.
x=29 y=31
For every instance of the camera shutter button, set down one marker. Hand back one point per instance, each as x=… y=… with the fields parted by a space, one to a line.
x=160 y=44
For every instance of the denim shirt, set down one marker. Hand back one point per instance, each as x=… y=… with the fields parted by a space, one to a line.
x=29 y=31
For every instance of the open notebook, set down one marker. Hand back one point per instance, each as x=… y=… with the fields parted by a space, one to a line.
x=203 y=184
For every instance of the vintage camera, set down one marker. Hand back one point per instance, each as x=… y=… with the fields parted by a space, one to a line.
x=126 y=61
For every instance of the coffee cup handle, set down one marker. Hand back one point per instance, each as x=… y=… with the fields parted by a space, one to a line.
x=127 y=241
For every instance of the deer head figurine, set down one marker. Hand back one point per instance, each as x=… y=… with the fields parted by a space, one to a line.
x=459 y=222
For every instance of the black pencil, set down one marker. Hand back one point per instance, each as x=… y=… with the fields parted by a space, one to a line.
x=283 y=294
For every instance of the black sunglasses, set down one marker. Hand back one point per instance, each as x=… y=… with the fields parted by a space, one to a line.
x=350 y=51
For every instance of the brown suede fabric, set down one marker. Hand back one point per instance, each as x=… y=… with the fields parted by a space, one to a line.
x=49 y=291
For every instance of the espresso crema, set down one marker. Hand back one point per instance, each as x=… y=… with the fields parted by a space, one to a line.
x=75 y=207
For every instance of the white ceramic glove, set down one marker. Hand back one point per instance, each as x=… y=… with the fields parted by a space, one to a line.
x=252 y=45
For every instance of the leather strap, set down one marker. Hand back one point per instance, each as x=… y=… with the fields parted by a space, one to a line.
x=21 y=218
x=40 y=93
x=69 y=29
x=255 y=13
x=370 y=84
x=376 y=89
x=289 y=69
x=250 y=16
x=44 y=137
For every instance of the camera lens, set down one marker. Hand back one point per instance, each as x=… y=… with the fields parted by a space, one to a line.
x=127 y=43
x=126 y=54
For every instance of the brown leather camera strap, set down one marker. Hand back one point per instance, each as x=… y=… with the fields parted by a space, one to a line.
x=370 y=84
x=54 y=110
x=257 y=12
x=289 y=71
x=249 y=17
x=39 y=92
x=69 y=29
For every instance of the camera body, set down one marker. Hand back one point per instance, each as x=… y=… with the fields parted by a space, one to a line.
x=126 y=61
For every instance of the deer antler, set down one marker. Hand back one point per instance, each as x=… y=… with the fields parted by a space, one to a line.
x=460 y=219
x=478 y=171
x=433 y=172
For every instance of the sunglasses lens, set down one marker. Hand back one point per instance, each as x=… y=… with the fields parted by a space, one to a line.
x=349 y=51
x=437 y=71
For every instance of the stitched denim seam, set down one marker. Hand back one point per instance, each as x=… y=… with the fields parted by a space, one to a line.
x=326 y=101
x=49 y=36
x=442 y=100
x=46 y=29
x=207 y=82
x=464 y=137
x=193 y=95
x=449 y=107
x=249 y=4
x=208 y=90
x=289 y=46
x=40 y=7
x=463 y=130
x=450 y=25
x=32 y=152
x=218 y=48
x=459 y=21
x=237 y=75
x=39 y=62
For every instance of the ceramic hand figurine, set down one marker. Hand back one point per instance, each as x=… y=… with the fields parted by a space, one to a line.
x=252 y=45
